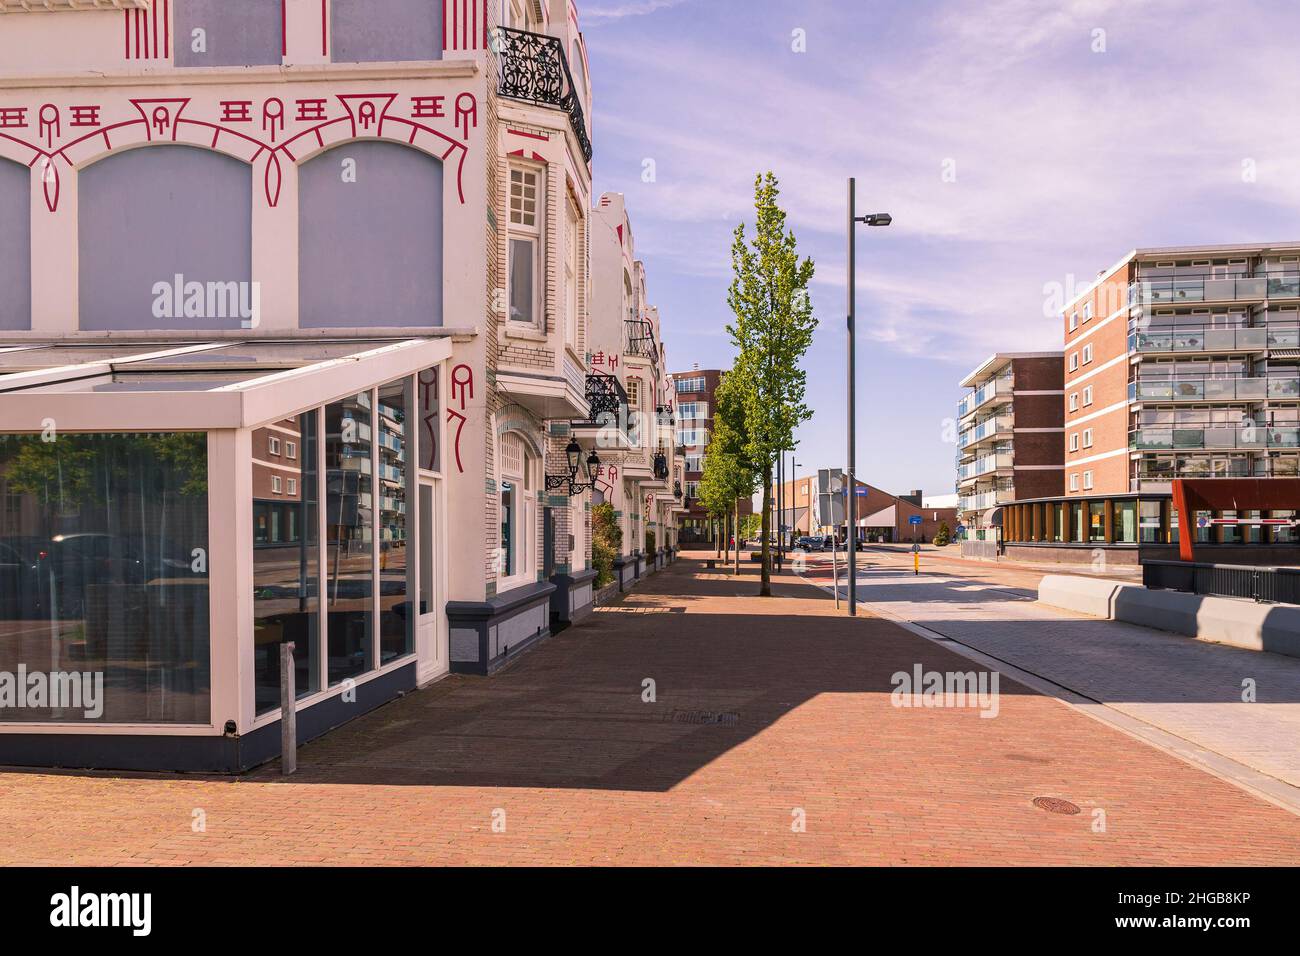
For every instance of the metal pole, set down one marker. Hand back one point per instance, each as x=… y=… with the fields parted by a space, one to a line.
x=780 y=507
x=851 y=505
x=288 y=715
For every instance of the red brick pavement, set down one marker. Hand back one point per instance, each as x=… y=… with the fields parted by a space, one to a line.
x=563 y=749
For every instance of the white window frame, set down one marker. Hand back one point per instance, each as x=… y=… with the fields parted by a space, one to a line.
x=1074 y=361
x=272 y=445
x=523 y=478
x=1087 y=353
x=1087 y=481
x=291 y=486
x=1087 y=395
x=572 y=272
x=1074 y=321
x=1074 y=401
x=291 y=450
x=1087 y=438
x=1074 y=441
x=532 y=235
x=1074 y=481
x=275 y=485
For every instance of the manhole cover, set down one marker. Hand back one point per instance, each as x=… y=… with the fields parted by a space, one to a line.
x=1055 y=805
x=703 y=717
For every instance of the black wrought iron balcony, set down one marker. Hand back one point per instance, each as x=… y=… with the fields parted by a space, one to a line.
x=639 y=338
x=534 y=69
x=661 y=467
x=605 y=395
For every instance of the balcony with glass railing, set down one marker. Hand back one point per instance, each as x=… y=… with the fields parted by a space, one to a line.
x=1246 y=437
x=984 y=465
x=986 y=499
x=1176 y=290
x=1197 y=388
x=1000 y=425
x=997 y=388
x=1198 y=338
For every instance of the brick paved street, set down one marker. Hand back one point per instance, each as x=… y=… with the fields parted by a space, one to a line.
x=1189 y=688
x=563 y=749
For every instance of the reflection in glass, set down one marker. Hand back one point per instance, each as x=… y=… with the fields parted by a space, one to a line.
x=104 y=578
x=396 y=622
x=286 y=556
x=349 y=524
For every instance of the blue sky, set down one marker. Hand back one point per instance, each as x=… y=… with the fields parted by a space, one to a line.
x=1021 y=146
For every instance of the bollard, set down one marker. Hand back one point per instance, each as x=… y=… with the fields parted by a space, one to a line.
x=288 y=715
x=916 y=562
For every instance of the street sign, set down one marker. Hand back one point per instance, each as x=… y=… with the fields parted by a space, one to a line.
x=860 y=492
x=830 y=498
x=914 y=519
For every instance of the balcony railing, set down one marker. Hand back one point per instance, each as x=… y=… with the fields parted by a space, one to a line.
x=1167 y=290
x=1246 y=437
x=986 y=429
x=986 y=499
x=534 y=69
x=639 y=339
x=984 y=465
x=1199 y=338
x=605 y=395
x=999 y=387
x=1197 y=388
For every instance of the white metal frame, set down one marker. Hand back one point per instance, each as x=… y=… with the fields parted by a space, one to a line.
x=229 y=415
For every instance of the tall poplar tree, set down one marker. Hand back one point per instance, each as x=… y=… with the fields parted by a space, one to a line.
x=772 y=331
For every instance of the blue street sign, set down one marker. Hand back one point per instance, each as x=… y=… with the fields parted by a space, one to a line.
x=915 y=519
x=861 y=491
x=961 y=529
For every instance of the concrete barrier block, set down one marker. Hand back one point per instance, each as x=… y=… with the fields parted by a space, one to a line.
x=1220 y=620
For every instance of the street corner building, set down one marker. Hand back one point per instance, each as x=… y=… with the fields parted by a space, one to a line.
x=1178 y=415
x=310 y=333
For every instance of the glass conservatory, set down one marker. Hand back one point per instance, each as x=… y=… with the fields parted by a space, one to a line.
x=170 y=515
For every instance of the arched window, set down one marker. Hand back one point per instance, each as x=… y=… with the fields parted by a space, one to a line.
x=370 y=237
x=378 y=31
x=15 y=247
x=165 y=240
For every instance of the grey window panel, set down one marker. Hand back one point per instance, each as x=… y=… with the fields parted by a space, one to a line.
x=148 y=215
x=15 y=247
x=239 y=32
x=376 y=31
x=370 y=251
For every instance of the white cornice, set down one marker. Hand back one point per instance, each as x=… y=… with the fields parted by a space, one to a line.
x=56 y=6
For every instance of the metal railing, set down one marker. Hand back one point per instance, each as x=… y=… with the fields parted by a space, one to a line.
x=1164 y=290
x=1001 y=386
x=1246 y=436
x=1198 y=338
x=1274 y=585
x=639 y=339
x=985 y=429
x=1214 y=389
x=534 y=69
x=605 y=395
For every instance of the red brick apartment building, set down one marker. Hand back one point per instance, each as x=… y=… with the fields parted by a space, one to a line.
x=1182 y=363
x=880 y=516
x=1009 y=435
x=695 y=394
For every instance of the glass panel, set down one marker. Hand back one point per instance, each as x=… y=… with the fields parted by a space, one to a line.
x=286 y=558
x=349 y=525
x=507 y=563
x=426 y=549
x=103 y=578
x=393 y=485
x=521 y=280
x=1126 y=522
x=1096 y=521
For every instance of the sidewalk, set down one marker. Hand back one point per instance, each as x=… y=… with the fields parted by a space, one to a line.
x=771 y=738
x=1188 y=688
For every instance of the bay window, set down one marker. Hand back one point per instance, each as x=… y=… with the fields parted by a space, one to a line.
x=526 y=244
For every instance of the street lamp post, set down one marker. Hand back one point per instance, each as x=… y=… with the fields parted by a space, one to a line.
x=794 y=495
x=851 y=509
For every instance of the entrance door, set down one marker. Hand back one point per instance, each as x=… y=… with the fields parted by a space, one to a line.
x=429 y=646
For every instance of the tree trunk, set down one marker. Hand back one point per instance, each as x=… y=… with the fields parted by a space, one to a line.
x=736 y=522
x=726 y=543
x=765 y=585
x=716 y=527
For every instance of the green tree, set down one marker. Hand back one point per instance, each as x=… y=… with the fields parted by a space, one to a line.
x=772 y=331
x=943 y=535
x=606 y=542
x=729 y=474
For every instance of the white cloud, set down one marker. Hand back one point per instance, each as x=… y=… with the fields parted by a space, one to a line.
x=631 y=8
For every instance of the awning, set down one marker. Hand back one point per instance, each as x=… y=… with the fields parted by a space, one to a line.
x=221 y=384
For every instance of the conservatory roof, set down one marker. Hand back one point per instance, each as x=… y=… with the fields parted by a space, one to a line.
x=220 y=384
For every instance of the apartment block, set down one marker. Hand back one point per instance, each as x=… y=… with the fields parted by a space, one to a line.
x=1009 y=434
x=1182 y=363
x=695 y=393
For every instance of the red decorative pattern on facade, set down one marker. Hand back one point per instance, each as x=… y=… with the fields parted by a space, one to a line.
x=464 y=24
x=365 y=116
x=146 y=34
